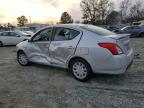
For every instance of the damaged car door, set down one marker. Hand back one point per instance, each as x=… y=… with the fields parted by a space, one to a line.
x=63 y=45
x=39 y=48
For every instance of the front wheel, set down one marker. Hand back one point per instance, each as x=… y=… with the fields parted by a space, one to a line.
x=22 y=58
x=80 y=69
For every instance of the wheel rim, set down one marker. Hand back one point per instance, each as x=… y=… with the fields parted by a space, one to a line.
x=22 y=59
x=79 y=70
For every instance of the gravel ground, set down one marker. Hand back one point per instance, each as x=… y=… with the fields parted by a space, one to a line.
x=40 y=86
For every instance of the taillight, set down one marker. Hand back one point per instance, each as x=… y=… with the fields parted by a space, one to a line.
x=112 y=47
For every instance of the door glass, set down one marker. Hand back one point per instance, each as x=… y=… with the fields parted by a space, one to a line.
x=62 y=34
x=0 y=34
x=128 y=28
x=12 y=34
x=4 y=34
x=136 y=27
x=43 y=35
x=73 y=34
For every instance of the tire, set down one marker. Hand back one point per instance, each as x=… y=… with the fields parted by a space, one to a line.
x=1 y=44
x=141 y=35
x=22 y=58
x=80 y=69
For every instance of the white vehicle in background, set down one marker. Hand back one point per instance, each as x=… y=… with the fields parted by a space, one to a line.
x=25 y=30
x=23 y=33
x=12 y=37
x=29 y=32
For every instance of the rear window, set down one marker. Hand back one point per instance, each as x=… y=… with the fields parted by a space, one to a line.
x=98 y=30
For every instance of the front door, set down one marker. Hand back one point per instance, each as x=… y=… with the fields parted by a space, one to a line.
x=39 y=47
x=15 y=38
x=4 y=37
x=63 y=45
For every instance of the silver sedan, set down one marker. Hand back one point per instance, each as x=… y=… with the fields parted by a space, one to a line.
x=12 y=37
x=82 y=49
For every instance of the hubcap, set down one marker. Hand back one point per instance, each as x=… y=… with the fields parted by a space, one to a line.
x=23 y=59
x=79 y=70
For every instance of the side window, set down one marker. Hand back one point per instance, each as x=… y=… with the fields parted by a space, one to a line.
x=74 y=33
x=136 y=27
x=43 y=35
x=129 y=28
x=62 y=34
x=12 y=34
x=4 y=34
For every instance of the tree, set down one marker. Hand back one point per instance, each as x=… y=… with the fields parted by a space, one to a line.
x=77 y=22
x=66 y=18
x=104 y=8
x=124 y=9
x=131 y=13
x=1 y=27
x=96 y=11
x=9 y=25
x=85 y=22
x=113 y=18
x=22 y=20
x=136 y=11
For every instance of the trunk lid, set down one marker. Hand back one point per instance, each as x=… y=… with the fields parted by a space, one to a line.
x=123 y=41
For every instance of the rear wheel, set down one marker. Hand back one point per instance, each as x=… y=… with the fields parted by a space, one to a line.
x=22 y=58
x=80 y=69
x=1 y=44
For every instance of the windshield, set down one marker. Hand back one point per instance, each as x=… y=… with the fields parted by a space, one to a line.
x=98 y=30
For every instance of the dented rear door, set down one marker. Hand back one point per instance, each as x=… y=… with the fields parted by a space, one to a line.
x=63 y=44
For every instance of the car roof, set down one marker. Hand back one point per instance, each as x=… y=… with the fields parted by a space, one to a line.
x=7 y=31
x=73 y=26
x=69 y=25
x=65 y=25
x=132 y=26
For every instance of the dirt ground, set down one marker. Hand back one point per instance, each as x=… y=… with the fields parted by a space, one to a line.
x=38 y=86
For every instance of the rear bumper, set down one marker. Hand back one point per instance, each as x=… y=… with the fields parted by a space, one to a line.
x=117 y=65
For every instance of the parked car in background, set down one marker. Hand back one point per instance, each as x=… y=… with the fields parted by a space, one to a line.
x=25 y=30
x=23 y=33
x=12 y=37
x=113 y=28
x=83 y=49
x=29 y=32
x=134 y=31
